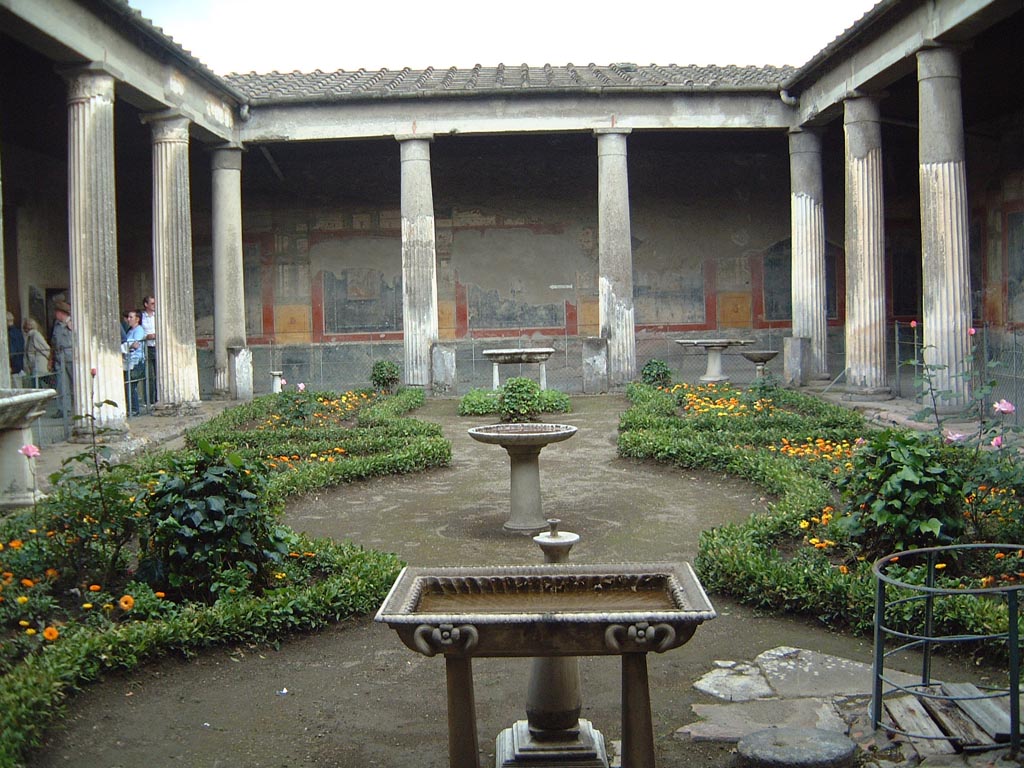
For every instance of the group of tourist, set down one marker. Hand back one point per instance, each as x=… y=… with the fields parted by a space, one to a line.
x=49 y=364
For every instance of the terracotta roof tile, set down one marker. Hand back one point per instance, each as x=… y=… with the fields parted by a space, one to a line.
x=521 y=78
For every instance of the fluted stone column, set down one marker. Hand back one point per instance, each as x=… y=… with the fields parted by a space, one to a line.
x=5 y=370
x=92 y=250
x=177 y=372
x=419 y=270
x=615 y=256
x=228 y=285
x=807 y=220
x=945 y=249
x=865 y=249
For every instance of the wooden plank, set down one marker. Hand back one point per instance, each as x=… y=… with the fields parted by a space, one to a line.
x=953 y=720
x=987 y=713
x=913 y=719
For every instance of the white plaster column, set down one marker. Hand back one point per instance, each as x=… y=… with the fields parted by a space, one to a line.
x=807 y=220
x=945 y=249
x=865 y=249
x=92 y=250
x=228 y=285
x=615 y=256
x=419 y=270
x=177 y=372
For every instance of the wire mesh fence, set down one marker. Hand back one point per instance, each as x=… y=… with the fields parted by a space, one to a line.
x=998 y=351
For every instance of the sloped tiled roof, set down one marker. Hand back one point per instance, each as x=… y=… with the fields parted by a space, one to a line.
x=277 y=87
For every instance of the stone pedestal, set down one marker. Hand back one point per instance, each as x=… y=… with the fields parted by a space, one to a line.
x=240 y=383
x=796 y=356
x=275 y=381
x=595 y=365
x=443 y=376
x=517 y=747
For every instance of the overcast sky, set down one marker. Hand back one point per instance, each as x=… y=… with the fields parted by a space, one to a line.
x=285 y=35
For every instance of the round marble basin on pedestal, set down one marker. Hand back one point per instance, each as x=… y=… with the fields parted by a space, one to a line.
x=759 y=357
x=714 y=349
x=18 y=409
x=524 y=442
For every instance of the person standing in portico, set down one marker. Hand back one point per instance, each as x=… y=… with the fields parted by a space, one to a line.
x=61 y=351
x=149 y=326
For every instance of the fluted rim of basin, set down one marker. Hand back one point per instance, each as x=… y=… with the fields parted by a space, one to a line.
x=687 y=594
x=19 y=407
x=522 y=433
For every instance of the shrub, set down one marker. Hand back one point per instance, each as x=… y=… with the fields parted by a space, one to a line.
x=211 y=523
x=385 y=376
x=656 y=373
x=519 y=400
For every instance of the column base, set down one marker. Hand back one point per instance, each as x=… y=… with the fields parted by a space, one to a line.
x=861 y=394
x=175 y=409
x=583 y=747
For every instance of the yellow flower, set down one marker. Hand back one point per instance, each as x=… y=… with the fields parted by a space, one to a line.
x=86 y=606
x=23 y=623
x=108 y=607
x=804 y=524
x=939 y=566
x=30 y=631
x=22 y=599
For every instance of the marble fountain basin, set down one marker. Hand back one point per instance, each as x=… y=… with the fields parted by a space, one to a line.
x=759 y=355
x=522 y=433
x=523 y=355
x=20 y=407
x=546 y=610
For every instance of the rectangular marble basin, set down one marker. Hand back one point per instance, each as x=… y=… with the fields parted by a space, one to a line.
x=546 y=610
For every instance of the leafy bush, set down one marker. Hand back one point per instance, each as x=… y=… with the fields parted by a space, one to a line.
x=484 y=402
x=519 y=400
x=385 y=376
x=211 y=521
x=656 y=373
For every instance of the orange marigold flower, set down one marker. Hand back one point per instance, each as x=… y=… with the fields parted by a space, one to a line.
x=95 y=587
x=15 y=544
x=52 y=573
x=843 y=569
x=1000 y=555
x=27 y=583
x=127 y=602
x=51 y=634
x=160 y=595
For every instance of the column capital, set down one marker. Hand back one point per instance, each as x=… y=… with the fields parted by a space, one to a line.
x=226 y=157
x=89 y=81
x=167 y=125
x=804 y=140
x=934 y=60
x=861 y=108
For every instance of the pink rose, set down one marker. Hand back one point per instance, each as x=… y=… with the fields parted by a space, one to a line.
x=29 y=451
x=953 y=437
x=283 y=381
x=301 y=387
x=1003 y=406
x=92 y=372
x=971 y=331
x=997 y=442
x=913 y=323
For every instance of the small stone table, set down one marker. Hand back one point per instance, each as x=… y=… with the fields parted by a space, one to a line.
x=714 y=348
x=537 y=355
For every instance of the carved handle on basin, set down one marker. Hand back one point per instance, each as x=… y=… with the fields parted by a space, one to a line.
x=660 y=637
x=430 y=640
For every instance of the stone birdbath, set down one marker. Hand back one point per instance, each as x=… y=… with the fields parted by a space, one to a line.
x=18 y=409
x=714 y=349
x=760 y=358
x=523 y=442
x=551 y=610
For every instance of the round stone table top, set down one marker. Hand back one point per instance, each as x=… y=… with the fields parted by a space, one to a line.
x=525 y=355
x=715 y=342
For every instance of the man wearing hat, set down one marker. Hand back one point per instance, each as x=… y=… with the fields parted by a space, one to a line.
x=61 y=342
